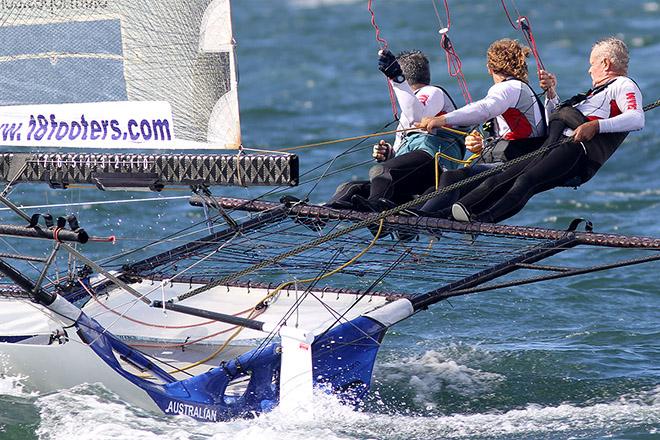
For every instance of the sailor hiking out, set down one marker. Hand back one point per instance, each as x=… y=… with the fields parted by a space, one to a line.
x=583 y=133
x=515 y=114
x=407 y=167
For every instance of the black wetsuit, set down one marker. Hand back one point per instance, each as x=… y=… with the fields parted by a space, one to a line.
x=514 y=140
x=505 y=194
x=412 y=170
x=399 y=180
x=440 y=206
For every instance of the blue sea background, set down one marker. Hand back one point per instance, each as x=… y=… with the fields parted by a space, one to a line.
x=567 y=359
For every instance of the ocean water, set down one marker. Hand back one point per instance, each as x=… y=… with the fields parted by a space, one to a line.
x=567 y=359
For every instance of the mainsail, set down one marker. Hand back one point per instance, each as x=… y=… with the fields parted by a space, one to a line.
x=123 y=69
x=135 y=74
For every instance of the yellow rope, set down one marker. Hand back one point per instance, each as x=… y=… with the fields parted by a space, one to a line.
x=472 y=158
x=366 y=136
x=332 y=272
x=440 y=155
x=275 y=292
x=209 y=357
x=212 y=355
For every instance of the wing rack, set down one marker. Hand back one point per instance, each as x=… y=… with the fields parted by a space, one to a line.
x=460 y=258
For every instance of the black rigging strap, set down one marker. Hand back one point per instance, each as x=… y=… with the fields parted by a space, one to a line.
x=563 y=273
x=581 y=97
x=652 y=105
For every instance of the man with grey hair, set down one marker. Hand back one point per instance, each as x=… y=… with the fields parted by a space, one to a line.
x=582 y=134
x=406 y=167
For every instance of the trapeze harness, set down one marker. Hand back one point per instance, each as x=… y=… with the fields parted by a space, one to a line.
x=450 y=144
x=503 y=195
x=519 y=136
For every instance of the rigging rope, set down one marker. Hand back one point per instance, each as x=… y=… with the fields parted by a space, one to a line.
x=96 y=299
x=365 y=136
x=177 y=235
x=523 y=24
x=326 y=172
x=442 y=155
x=379 y=217
x=330 y=273
x=257 y=310
x=101 y=202
x=454 y=64
x=652 y=105
x=364 y=223
x=564 y=273
x=382 y=43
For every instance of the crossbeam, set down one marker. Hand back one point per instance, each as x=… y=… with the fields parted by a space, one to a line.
x=215 y=316
x=429 y=223
x=63 y=235
x=150 y=171
x=421 y=302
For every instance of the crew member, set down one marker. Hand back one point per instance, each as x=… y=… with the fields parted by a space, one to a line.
x=583 y=133
x=517 y=115
x=407 y=167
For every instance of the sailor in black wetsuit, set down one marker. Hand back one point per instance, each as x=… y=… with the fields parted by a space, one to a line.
x=596 y=123
x=407 y=167
x=518 y=120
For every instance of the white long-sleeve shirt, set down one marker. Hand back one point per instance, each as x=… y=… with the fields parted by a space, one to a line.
x=618 y=108
x=427 y=101
x=512 y=104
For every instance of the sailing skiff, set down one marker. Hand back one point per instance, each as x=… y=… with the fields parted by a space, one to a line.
x=259 y=304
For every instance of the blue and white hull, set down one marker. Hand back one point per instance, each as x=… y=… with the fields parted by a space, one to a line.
x=83 y=351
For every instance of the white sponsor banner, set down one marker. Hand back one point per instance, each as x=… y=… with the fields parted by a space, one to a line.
x=118 y=124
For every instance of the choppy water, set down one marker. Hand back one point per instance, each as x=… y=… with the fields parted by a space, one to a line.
x=570 y=359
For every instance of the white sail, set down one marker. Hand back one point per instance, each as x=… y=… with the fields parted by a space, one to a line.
x=216 y=37
x=125 y=52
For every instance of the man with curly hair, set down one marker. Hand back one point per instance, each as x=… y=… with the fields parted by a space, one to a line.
x=517 y=115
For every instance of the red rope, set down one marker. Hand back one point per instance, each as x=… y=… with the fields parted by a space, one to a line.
x=454 y=67
x=524 y=25
x=184 y=344
x=174 y=345
x=111 y=239
x=506 y=11
x=447 y=13
x=382 y=43
x=454 y=64
x=195 y=341
x=529 y=36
